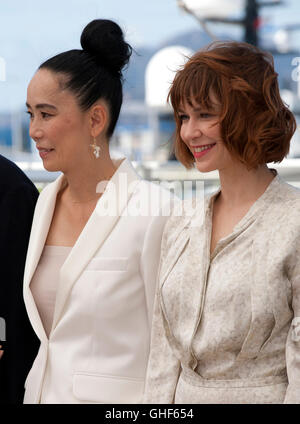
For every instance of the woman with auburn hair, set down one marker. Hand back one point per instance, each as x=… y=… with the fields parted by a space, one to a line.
x=227 y=308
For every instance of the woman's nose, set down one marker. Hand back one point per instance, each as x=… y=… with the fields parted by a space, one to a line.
x=193 y=130
x=35 y=132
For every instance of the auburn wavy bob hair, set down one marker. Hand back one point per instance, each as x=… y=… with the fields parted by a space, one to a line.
x=256 y=126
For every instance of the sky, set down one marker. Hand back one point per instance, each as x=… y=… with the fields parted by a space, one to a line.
x=33 y=30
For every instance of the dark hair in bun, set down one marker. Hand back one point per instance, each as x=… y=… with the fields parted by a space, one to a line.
x=96 y=71
x=112 y=52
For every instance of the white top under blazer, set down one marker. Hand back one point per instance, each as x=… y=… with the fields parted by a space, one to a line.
x=98 y=346
x=45 y=281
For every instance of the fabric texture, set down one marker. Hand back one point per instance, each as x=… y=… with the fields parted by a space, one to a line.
x=45 y=281
x=98 y=345
x=18 y=196
x=224 y=325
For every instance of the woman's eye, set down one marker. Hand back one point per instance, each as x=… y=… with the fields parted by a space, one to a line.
x=206 y=115
x=45 y=114
x=183 y=117
x=30 y=114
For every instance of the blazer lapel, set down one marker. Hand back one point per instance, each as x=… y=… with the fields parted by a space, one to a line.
x=173 y=254
x=182 y=310
x=179 y=235
x=102 y=221
x=42 y=219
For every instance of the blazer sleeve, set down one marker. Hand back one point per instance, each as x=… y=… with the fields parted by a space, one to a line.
x=293 y=339
x=150 y=256
x=150 y=261
x=163 y=366
x=17 y=206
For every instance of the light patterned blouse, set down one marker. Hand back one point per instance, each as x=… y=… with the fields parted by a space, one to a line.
x=226 y=327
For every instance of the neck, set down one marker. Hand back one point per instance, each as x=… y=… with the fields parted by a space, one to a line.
x=81 y=183
x=242 y=186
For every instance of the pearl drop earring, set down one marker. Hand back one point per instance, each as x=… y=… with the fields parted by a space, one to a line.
x=96 y=149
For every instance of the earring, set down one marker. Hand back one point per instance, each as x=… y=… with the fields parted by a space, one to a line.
x=96 y=149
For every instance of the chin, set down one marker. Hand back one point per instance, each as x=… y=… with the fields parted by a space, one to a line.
x=51 y=167
x=205 y=167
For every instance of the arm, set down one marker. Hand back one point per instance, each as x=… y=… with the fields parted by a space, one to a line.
x=150 y=256
x=17 y=208
x=163 y=367
x=293 y=339
x=150 y=261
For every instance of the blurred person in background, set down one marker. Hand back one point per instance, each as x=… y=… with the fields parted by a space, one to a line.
x=90 y=278
x=18 y=197
x=228 y=299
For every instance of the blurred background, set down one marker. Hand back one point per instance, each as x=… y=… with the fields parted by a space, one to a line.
x=163 y=33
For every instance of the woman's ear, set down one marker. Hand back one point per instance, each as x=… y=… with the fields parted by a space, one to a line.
x=98 y=119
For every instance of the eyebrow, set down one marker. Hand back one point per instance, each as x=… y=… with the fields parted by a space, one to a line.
x=196 y=109
x=42 y=106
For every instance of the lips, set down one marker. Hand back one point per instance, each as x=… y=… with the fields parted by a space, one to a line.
x=204 y=147
x=43 y=149
x=199 y=151
x=44 y=153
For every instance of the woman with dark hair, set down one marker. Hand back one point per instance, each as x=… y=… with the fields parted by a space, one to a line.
x=226 y=319
x=91 y=266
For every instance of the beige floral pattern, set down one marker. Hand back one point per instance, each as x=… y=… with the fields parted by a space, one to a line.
x=222 y=328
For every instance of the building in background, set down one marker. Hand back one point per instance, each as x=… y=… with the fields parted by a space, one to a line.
x=146 y=125
x=145 y=128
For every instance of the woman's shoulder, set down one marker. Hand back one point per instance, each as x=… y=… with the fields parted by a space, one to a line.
x=286 y=196
x=157 y=197
x=190 y=211
x=11 y=176
x=155 y=190
x=185 y=216
x=282 y=212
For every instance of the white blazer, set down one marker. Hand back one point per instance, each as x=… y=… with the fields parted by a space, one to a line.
x=98 y=347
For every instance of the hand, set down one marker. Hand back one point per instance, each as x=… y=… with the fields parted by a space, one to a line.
x=1 y=352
